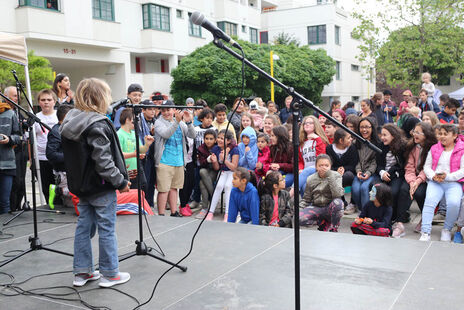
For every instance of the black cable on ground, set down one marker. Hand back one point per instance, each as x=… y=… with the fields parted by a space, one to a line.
x=209 y=206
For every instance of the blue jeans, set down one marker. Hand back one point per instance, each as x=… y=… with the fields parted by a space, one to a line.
x=304 y=175
x=435 y=191
x=288 y=178
x=360 y=191
x=6 y=181
x=96 y=211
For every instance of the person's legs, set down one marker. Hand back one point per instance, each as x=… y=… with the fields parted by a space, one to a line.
x=303 y=177
x=105 y=209
x=196 y=186
x=403 y=203
x=365 y=188
x=189 y=182
x=150 y=174
x=395 y=186
x=164 y=177
x=6 y=182
x=453 y=194
x=85 y=230
x=434 y=194
x=46 y=177
x=419 y=195
x=310 y=215
x=218 y=191
x=228 y=189
x=172 y=198
x=334 y=214
x=356 y=192
x=288 y=180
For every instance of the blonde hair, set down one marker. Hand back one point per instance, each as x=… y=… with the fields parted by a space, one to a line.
x=415 y=111
x=426 y=74
x=93 y=95
x=317 y=130
x=432 y=115
x=274 y=118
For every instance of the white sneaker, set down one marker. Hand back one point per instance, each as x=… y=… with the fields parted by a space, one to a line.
x=424 y=237
x=445 y=235
x=121 y=278
x=82 y=278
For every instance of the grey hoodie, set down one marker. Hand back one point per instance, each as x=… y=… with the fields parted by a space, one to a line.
x=91 y=135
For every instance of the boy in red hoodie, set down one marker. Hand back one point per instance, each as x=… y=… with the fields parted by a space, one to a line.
x=262 y=166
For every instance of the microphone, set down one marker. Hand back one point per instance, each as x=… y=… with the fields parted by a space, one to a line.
x=199 y=19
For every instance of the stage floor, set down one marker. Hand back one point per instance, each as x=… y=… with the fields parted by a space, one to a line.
x=236 y=266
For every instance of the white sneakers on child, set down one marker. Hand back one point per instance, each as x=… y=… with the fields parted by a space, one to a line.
x=445 y=235
x=424 y=237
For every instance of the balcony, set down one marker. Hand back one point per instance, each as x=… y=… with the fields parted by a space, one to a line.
x=45 y=21
x=107 y=31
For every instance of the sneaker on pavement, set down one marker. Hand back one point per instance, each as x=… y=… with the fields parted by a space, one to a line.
x=201 y=214
x=398 y=230
x=418 y=227
x=209 y=217
x=51 y=196
x=185 y=211
x=176 y=214
x=424 y=237
x=438 y=218
x=121 y=278
x=445 y=235
x=350 y=209
x=457 y=237
x=81 y=279
x=226 y=217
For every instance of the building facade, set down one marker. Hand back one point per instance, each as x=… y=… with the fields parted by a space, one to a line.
x=141 y=41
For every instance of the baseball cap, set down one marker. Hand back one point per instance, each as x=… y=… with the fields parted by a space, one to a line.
x=167 y=102
x=407 y=92
x=147 y=102
x=253 y=105
x=134 y=87
x=189 y=100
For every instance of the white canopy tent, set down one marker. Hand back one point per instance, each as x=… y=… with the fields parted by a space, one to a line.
x=13 y=48
x=457 y=94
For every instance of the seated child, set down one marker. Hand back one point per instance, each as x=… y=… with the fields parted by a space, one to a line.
x=243 y=198
x=275 y=208
x=262 y=166
x=375 y=217
x=321 y=203
x=329 y=130
x=248 y=150
x=257 y=115
x=207 y=173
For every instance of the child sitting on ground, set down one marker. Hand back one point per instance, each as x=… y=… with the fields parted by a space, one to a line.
x=243 y=198
x=262 y=166
x=275 y=209
x=375 y=217
x=321 y=202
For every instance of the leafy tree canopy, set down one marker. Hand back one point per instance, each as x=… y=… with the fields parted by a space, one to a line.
x=40 y=73
x=284 y=38
x=422 y=35
x=214 y=75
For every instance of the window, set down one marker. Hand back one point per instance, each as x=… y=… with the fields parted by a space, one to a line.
x=179 y=14
x=44 y=4
x=319 y=2
x=254 y=35
x=229 y=28
x=194 y=30
x=156 y=17
x=338 y=69
x=337 y=35
x=354 y=68
x=263 y=37
x=355 y=98
x=317 y=34
x=244 y=30
x=103 y=9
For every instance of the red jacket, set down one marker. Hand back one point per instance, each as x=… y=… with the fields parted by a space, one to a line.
x=263 y=157
x=284 y=159
x=318 y=147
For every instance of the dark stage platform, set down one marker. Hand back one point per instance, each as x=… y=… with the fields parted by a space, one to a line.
x=236 y=266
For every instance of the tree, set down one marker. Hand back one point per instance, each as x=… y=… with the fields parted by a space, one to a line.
x=284 y=38
x=214 y=75
x=429 y=37
x=40 y=72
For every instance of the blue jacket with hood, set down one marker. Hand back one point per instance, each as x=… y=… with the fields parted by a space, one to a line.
x=248 y=159
x=246 y=202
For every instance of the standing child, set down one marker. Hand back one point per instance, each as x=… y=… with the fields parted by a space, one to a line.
x=313 y=142
x=375 y=216
x=275 y=209
x=230 y=152
x=262 y=166
x=244 y=199
x=428 y=86
x=248 y=150
x=281 y=154
x=221 y=121
x=321 y=202
x=207 y=173
x=95 y=169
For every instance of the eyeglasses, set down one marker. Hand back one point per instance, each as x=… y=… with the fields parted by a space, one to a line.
x=365 y=127
x=413 y=132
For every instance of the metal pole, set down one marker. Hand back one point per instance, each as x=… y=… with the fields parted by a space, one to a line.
x=272 y=74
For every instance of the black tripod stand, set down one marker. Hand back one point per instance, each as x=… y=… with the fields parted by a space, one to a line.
x=26 y=206
x=35 y=242
x=141 y=248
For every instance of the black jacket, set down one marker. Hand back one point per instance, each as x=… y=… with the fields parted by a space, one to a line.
x=54 y=151
x=349 y=160
x=93 y=157
x=381 y=216
x=285 y=209
x=397 y=170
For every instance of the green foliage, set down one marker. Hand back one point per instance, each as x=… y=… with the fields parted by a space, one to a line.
x=214 y=75
x=421 y=36
x=284 y=38
x=40 y=73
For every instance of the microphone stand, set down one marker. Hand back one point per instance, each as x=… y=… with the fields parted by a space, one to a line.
x=297 y=102
x=26 y=206
x=141 y=248
x=35 y=243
